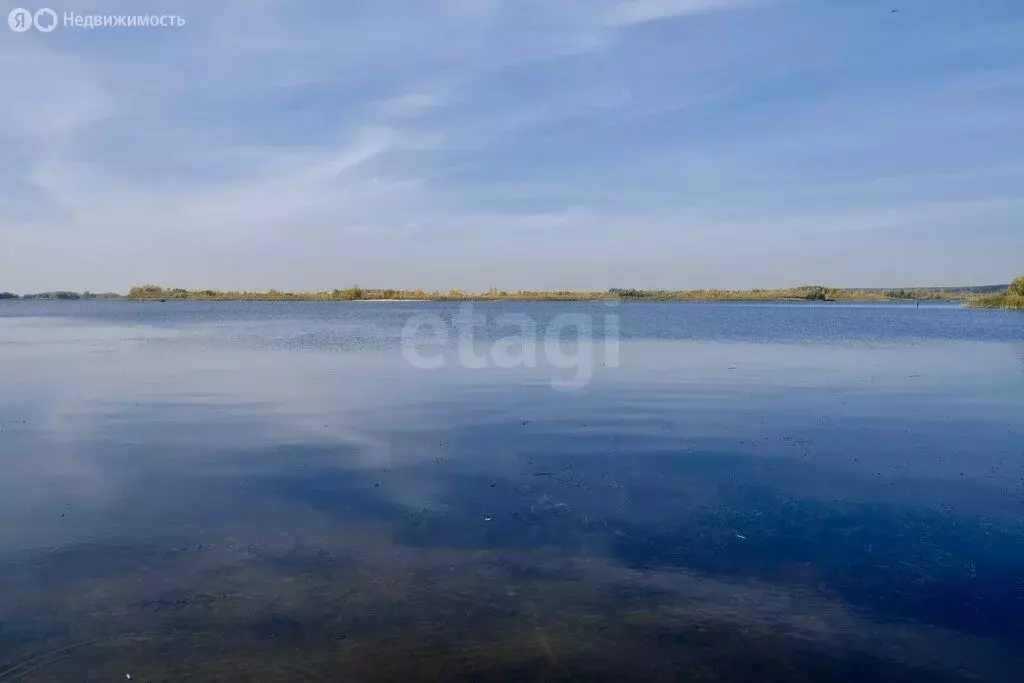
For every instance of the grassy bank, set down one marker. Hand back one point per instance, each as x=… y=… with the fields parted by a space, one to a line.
x=1012 y=298
x=808 y=293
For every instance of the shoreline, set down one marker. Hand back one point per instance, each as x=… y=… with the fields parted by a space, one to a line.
x=987 y=296
x=356 y=293
x=524 y=299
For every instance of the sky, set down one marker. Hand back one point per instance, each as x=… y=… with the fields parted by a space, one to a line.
x=518 y=144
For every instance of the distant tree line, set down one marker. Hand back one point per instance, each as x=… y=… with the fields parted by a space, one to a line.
x=350 y=294
x=53 y=295
x=354 y=293
x=988 y=297
x=64 y=295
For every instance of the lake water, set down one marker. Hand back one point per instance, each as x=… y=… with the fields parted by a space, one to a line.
x=730 y=492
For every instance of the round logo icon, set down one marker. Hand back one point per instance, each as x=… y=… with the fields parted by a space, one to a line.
x=20 y=20
x=45 y=20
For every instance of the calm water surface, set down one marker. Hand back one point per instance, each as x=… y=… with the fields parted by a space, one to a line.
x=269 y=491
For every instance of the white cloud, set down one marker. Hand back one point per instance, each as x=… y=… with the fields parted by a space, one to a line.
x=630 y=12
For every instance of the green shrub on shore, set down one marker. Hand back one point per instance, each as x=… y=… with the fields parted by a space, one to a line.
x=1012 y=298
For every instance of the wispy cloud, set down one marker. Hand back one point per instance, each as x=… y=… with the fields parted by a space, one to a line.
x=628 y=12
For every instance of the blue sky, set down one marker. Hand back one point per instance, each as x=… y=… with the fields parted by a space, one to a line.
x=516 y=143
